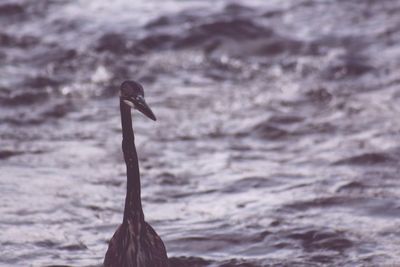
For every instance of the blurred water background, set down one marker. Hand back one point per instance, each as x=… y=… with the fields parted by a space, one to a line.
x=277 y=140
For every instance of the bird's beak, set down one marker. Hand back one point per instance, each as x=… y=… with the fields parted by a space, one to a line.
x=140 y=104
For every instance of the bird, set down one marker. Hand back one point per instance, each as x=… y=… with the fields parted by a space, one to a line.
x=135 y=243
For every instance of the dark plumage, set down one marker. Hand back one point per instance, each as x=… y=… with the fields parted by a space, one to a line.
x=135 y=243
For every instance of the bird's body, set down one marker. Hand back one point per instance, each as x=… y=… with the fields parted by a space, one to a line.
x=135 y=243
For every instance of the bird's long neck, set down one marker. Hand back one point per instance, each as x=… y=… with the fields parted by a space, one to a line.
x=133 y=205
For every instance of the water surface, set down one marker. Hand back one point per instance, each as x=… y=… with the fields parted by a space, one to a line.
x=276 y=144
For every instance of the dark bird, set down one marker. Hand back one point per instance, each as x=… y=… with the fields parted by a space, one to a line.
x=135 y=243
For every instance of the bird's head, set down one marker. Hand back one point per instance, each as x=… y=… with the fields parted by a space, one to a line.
x=132 y=94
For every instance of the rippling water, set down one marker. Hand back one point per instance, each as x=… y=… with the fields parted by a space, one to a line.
x=277 y=140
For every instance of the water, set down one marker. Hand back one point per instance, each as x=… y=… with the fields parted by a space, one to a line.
x=276 y=142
